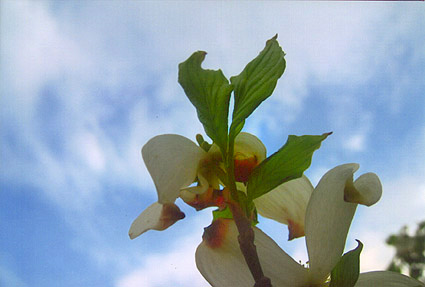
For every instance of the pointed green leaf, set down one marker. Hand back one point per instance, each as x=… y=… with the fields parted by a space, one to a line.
x=209 y=91
x=256 y=83
x=289 y=162
x=346 y=272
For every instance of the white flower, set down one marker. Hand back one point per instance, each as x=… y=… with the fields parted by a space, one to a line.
x=175 y=162
x=328 y=217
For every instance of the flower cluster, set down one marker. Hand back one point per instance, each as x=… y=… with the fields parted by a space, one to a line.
x=235 y=175
x=323 y=214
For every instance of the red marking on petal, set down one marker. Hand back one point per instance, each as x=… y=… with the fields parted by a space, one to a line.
x=169 y=215
x=215 y=234
x=220 y=201
x=295 y=230
x=212 y=197
x=244 y=167
x=202 y=201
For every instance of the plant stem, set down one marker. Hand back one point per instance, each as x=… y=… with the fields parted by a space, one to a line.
x=243 y=223
x=247 y=246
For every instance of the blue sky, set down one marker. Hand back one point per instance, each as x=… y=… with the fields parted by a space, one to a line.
x=85 y=84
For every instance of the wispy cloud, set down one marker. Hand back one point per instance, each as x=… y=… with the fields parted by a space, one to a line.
x=176 y=268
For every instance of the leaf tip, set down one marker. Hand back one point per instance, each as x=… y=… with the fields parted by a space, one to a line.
x=200 y=56
x=359 y=245
x=274 y=38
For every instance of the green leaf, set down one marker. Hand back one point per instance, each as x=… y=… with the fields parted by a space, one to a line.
x=256 y=83
x=209 y=91
x=288 y=163
x=346 y=272
x=225 y=213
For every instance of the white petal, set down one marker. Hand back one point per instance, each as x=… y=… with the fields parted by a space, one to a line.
x=386 y=279
x=221 y=262
x=157 y=216
x=249 y=145
x=249 y=152
x=199 y=189
x=328 y=219
x=287 y=204
x=172 y=161
x=367 y=190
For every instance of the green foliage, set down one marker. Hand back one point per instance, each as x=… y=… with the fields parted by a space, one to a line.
x=288 y=163
x=410 y=251
x=346 y=272
x=225 y=213
x=209 y=91
x=256 y=83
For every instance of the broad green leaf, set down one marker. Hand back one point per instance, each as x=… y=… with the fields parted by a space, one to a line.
x=256 y=83
x=346 y=272
x=289 y=162
x=209 y=91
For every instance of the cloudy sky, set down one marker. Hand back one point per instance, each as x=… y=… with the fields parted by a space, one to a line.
x=85 y=84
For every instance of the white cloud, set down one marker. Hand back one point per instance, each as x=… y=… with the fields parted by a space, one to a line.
x=33 y=51
x=91 y=152
x=176 y=267
x=356 y=142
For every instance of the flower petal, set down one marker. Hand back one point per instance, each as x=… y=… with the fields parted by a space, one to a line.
x=249 y=152
x=172 y=161
x=287 y=204
x=386 y=279
x=157 y=216
x=328 y=218
x=248 y=145
x=367 y=190
x=199 y=189
x=220 y=260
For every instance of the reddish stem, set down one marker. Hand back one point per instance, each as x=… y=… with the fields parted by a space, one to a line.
x=247 y=246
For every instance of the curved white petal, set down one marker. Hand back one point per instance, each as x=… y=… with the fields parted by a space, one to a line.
x=327 y=221
x=187 y=196
x=157 y=216
x=287 y=204
x=199 y=189
x=172 y=161
x=367 y=190
x=221 y=262
x=386 y=279
x=248 y=145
